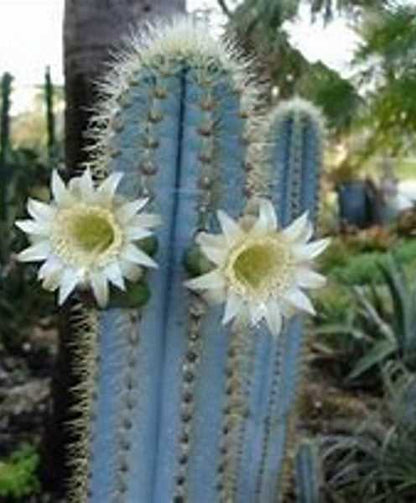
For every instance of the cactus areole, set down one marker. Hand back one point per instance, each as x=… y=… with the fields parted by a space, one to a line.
x=191 y=395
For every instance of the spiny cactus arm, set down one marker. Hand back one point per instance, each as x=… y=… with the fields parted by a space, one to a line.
x=142 y=142
x=296 y=158
x=307 y=473
x=196 y=346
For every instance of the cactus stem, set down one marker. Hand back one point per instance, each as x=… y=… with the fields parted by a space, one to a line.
x=189 y=377
x=84 y=324
x=126 y=410
x=276 y=373
x=235 y=411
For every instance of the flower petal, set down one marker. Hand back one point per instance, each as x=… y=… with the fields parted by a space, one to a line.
x=311 y=250
x=60 y=193
x=257 y=312
x=232 y=307
x=74 y=187
x=51 y=266
x=216 y=296
x=130 y=270
x=36 y=252
x=52 y=282
x=86 y=186
x=33 y=227
x=274 y=318
x=229 y=226
x=114 y=275
x=146 y=220
x=100 y=288
x=135 y=232
x=213 y=279
x=134 y=254
x=68 y=283
x=214 y=254
x=299 y=229
x=307 y=278
x=128 y=210
x=267 y=220
x=40 y=211
x=212 y=240
x=108 y=187
x=298 y=299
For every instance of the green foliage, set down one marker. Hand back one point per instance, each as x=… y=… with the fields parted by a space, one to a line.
x=22 y=304
x=376 y=462
x=333 y=304
x=21 y=301
x=387 y=55
x=349 y=268
x=336 y=96
x=388 y=323
x=18 y=477
x=361 y=328
x=260 y=29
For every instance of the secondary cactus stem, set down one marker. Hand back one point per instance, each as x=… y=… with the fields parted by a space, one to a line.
x=234 y=413
x=273 y=397
x=84 y=325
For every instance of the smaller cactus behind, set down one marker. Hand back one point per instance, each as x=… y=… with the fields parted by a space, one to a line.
x=308 y=473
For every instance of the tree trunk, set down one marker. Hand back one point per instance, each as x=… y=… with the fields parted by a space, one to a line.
x=91 y=29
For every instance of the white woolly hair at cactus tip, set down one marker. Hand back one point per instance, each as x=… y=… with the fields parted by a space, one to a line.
x=87 y=237
x=261 y=271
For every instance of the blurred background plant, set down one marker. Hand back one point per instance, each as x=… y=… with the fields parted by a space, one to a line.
x=18 y=477
x=375 y=461
x=29 y=149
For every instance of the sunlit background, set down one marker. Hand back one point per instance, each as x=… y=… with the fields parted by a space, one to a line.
x=31 y=37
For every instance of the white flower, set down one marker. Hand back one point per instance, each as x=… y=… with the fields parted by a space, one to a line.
x=86 y=237
x=261 y=271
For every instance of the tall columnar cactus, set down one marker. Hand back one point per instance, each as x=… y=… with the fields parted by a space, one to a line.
x=6 y=82
x=50 y=116
x=183 y=408
x=175 y=405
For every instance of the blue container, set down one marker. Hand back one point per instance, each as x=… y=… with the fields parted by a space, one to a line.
x=353 y=207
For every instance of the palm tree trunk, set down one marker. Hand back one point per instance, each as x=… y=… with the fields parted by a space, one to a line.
x=91 y=29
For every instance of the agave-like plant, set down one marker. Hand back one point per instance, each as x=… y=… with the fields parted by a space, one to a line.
x=386 y=320
x=375 y=463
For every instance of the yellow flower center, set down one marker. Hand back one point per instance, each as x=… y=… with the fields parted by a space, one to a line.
x=91 y=233
x=259 y=267
x=86 y=235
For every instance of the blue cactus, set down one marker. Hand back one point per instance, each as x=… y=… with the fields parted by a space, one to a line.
x=308 y=473
x=174 y=406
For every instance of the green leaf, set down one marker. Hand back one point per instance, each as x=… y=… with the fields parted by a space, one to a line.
x=378 y=353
